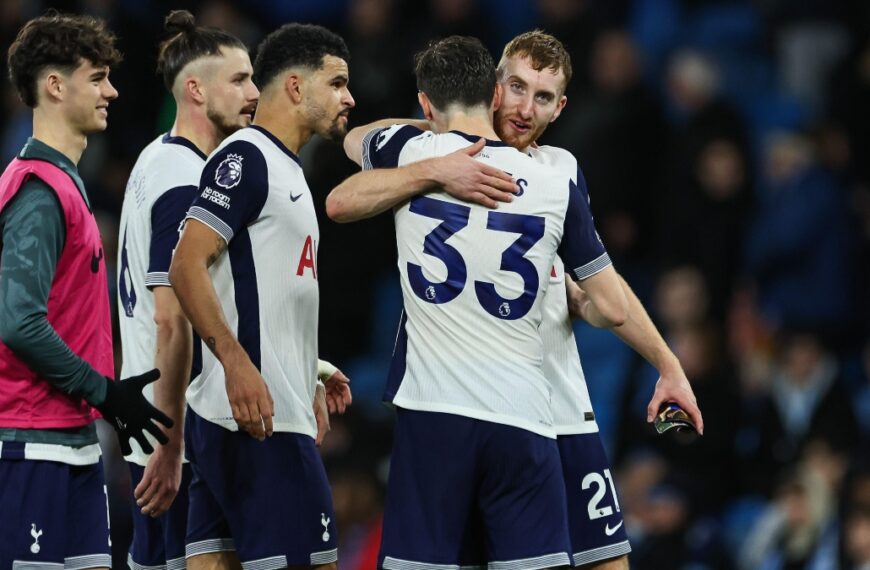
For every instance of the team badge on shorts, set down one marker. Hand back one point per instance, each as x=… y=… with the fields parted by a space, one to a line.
x=229 y=171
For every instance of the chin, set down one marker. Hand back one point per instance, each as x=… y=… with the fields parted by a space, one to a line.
x=335 y=134
x=97 y=126
x=514 y=141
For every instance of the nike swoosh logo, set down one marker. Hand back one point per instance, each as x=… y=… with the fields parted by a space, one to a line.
x=294 y=198
x=609 y=531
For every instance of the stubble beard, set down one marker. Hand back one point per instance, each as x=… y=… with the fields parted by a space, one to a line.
x=336 y=132
x=223 y=125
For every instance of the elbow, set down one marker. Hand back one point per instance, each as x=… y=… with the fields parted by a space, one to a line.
x=616 y=312
x=333 y=207
x=336 y=208
x=18 y=335
x=616 y=318
x=171 y=322
x=177 y=272
x=10 y=334
x=174 y=272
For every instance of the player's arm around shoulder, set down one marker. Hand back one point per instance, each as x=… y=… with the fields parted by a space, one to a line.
x=384 y=185
x=353 y=141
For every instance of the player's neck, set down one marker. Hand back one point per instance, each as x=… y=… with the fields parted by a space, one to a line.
x=290 y=130
x=198 y=129
x=57 y=133
x=477 y=124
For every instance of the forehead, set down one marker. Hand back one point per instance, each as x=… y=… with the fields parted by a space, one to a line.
x=333 y=65
x=520 y=67
x=87 y=67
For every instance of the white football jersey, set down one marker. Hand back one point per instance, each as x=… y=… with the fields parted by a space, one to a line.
x=473 y=281
x=254 y=194
x=572 y=408
x=159 y=191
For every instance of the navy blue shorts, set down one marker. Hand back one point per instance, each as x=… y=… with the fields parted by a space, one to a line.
x=268 y=500
x=52 y=514
x=159 y=542
x=470 y=493
x=595 y=519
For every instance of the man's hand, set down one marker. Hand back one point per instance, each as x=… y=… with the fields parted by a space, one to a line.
x=321 y=413
x=337 y=385
x=250 y=399
x=577 y=298
x=130 y=413
x=160 y=481
x=470 y=180
x=673 y=386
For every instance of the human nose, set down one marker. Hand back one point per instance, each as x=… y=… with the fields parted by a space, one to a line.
x=253 y=94
x=525 y=107
x=347 y=99
x=109 y=91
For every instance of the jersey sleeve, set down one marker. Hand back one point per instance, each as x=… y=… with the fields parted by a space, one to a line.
x=167 y=213
x=381 y=147
x=581 y=248
x=232 y=190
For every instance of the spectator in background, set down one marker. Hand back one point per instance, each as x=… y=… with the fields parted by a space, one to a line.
x=693 y=85
x=681 y=298
x=709 y=197
x=618 y=134
x=706 y=218
x=806 y=401
x=705 y=466
x=791 y=532
x=577 y=24
x=799 y=246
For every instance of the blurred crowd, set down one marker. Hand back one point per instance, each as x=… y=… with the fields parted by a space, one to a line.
x=726 y=145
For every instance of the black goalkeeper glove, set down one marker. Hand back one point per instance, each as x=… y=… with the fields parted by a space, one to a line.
x=131 y=414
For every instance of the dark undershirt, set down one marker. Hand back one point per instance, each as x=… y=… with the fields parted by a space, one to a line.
x=33 y=235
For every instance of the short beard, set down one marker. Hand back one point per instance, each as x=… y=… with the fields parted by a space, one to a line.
x=335 y=133
x=224 y=127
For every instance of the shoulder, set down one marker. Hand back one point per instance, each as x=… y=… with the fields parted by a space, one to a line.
x=235 y=162
x=162 y=166
x=394 y=138
x=382 y=146
x=394 y=135
x=34 y=206
x=554 y=156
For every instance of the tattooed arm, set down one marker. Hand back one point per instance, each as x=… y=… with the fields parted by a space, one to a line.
x=31 y=239
x=198 y=248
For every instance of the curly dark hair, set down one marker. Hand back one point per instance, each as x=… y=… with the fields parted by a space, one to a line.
x=57 y=40
x=296 y=45
x=188 y=42
x=458 y=69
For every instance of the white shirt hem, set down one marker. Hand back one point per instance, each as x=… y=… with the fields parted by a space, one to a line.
x=540 y=429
